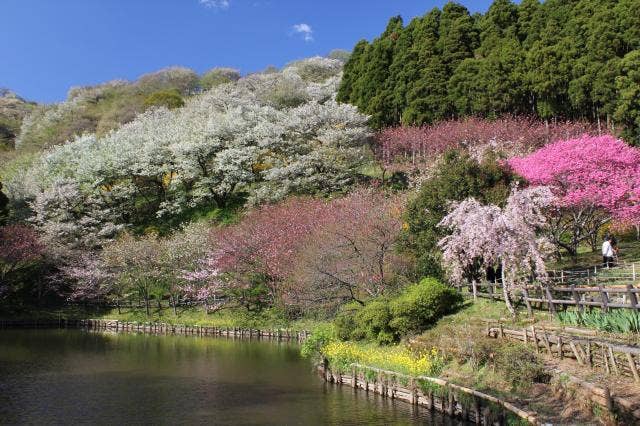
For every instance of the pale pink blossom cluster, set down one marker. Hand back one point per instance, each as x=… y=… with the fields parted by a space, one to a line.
x=488 y=236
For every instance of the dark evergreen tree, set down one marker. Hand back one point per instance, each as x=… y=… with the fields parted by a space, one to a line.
x=557 y=59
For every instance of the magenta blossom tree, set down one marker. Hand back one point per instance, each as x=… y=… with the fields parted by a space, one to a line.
x=413 y=148
x=485 y=236
x=19 y=246
x=595 y=178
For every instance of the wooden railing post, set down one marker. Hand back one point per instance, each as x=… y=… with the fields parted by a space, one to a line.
x=633 y=300
x=552 y=308
x=632 y=367
x=525 y=296
x=605 y=299
x=576 y=299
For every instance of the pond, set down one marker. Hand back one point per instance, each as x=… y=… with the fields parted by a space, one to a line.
x=77 y=377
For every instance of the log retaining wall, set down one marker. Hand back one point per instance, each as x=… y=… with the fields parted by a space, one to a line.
x=158 y=328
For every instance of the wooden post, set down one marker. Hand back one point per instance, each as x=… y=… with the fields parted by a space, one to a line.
x=525 y=297
x=604 y=298
x=560 y=353
x=605 y=359
x=546 y=342
x=476 y=410
x=608 y=399
x=633 y=300
x=589 y=354
x=412 y=387
x=451 y=403
x=354 y=377
x=535 y=338
x=552 y=308
x=613 y=361
x=576 y=353
x=632 y=367
x=562 y=277
x=576 y=299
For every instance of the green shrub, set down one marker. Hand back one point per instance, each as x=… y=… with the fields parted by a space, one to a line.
x=218 y=76
x=319 y=338
x=166 y=98
x=372 y=322
x=386 y=320
x=421 y=305
x=345 y=321
x=520 y=365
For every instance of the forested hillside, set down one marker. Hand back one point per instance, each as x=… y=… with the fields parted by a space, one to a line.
x=560 y=59
x=13 y=109
x=102 y=108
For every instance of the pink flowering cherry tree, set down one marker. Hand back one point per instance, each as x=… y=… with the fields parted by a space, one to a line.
x=596 y=179
x=19 y=246
x=484 y=236
x=306 y=252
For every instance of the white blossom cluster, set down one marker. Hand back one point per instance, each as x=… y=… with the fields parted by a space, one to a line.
x=268 y=134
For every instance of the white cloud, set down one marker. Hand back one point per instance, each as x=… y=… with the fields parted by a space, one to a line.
x=305 y=30
x=215 y=4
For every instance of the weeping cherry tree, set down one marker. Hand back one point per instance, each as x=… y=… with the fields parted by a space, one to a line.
x=484 y=236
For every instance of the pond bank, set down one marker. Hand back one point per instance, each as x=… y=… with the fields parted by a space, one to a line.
x=432 y=393
x=157 y=328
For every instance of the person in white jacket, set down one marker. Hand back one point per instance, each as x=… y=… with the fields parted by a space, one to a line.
x=607 y=252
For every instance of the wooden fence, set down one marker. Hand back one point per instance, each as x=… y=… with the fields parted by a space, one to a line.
x=432 y=393
x=610 y=357
x=597 y=275
x=556 y=298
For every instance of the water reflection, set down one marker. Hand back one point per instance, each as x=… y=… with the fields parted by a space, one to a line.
x=74 y=377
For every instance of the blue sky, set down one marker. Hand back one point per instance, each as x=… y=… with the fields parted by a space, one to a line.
x=48 y=46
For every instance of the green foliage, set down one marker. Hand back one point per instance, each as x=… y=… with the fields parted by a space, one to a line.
x=520 y=364
x=345 y=323
x=420 y=305
x=572 y=59
x=456 y=178
x=254 y=297
x=373 y=322
x=616 y=321
x=9 y=129
x=166 y=98
x=218 y=76
x=385 y=320
x=321 y=336
x=102 y=108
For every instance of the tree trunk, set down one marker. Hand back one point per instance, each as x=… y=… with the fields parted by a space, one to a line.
x=174 y=302
x=505 y=292
x=146 y=305
x=118 y=305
